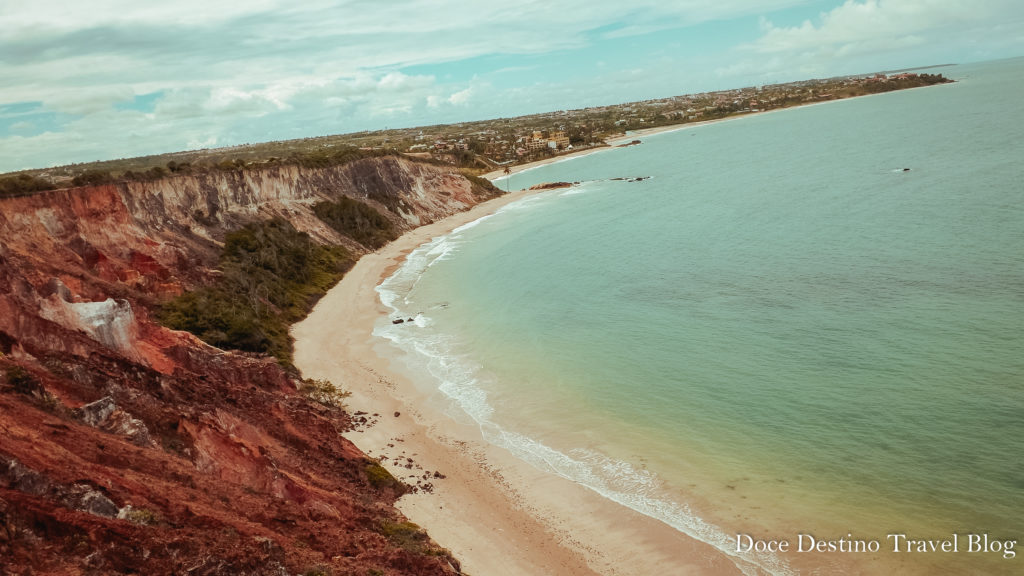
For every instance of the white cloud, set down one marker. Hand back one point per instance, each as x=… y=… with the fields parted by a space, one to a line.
x=244 y=71
x=862 y=36
x=877 y=25
x=461 y=97
x=62 y=14
x=197 y=144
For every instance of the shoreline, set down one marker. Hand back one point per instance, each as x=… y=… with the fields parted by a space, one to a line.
x=614 y=142
x=497 y=514
x=619 y=141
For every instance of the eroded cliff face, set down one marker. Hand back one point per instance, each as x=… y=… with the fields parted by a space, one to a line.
x=128 y=447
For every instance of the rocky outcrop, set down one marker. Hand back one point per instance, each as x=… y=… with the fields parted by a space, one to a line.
x=105 y=415
x=551 y=185
x=128 y=447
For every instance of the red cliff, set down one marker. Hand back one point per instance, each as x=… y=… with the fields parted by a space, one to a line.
x=126 y=447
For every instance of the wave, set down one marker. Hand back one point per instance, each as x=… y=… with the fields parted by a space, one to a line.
x=458 y=377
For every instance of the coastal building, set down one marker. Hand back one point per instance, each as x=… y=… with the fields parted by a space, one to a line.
x=559 y=139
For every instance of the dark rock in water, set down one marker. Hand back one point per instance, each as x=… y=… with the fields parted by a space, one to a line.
x=409 y=320
x=397 y=321
x=551 y=185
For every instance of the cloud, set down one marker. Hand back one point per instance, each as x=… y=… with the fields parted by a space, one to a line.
x=859 y=26
x=865 y=33
x=232 y=72
x=461 y=97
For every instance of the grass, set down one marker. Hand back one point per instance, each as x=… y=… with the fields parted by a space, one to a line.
x=406 y=535
x=141 y=516
x=379 y=477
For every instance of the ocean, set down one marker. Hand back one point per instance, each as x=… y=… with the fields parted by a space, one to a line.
x=779 y=331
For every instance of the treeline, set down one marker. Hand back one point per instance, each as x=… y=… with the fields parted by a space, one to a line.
x=22 y=184
x=903 y=83
x=313 y=159
x=272 y=274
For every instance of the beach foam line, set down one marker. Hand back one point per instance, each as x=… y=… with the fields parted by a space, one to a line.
x=456 y=376
x=496 y=176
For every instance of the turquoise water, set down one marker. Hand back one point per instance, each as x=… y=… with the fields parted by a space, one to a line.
x=781 y=331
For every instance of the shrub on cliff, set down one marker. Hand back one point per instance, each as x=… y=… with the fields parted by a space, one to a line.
x=22 y=381
x=357 y=221
x=92 y=178
x=482 y=187
x=336 y=156
x=324 y=392
x=272 y=276
x=22 y=184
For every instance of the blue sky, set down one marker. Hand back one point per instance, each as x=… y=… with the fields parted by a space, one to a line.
x=82 y=81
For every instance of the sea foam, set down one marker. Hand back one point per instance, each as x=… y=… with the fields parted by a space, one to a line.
x=457 y=377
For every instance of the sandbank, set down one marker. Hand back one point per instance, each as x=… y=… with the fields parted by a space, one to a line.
x=497 y=514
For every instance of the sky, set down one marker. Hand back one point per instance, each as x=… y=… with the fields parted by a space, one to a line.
x=103 y=79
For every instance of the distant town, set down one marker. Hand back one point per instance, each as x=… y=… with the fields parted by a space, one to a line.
x=510 y=141
x=484 y=146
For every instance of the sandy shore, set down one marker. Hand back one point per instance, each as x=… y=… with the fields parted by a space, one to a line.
x=497 y=514
x=622 y=139
x=613 y=141
x=520 y=167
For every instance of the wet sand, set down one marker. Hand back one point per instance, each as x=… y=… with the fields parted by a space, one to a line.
x=497 y=514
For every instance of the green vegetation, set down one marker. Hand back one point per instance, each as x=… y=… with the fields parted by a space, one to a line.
x=379 y=477
x=22 y=184
x=357 y=221
x=309 y=153
x=405 y=534
x=140 y=516
x=411 y=537
x=323 y=392
x=334 y=156
x=22 y=380
x=482 y=187
x=272 y=275
x=92 y=178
